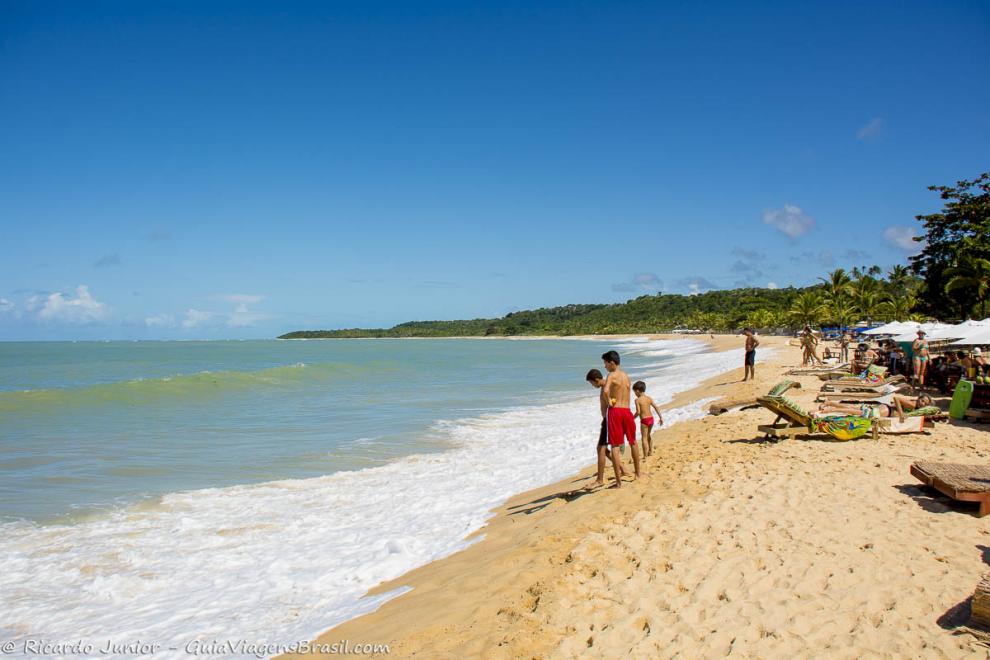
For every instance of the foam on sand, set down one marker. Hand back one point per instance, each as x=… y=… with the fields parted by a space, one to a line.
x=282 y=561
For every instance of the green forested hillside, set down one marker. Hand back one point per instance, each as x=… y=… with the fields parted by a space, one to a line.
x=718 y=310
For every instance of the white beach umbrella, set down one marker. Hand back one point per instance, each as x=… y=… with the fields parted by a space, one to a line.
x=893 y=328
x=977 y=338
x=929 y=328
x=960 y=331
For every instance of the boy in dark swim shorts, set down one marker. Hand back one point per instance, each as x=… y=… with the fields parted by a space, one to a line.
x=749 y=363
x=596 y=380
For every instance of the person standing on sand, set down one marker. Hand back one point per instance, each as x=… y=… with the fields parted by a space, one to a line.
x=620 y=418
x=749 y=361
x=644 y=410
x=921 y=356
x=810 y=343
x=598 y=381
x=844 y=346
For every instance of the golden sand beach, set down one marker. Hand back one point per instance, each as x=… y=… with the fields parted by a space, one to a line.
x=729 y=546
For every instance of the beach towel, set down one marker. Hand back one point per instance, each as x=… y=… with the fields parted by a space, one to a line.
x=841 y=427
x=909 y=425
x=875 y=374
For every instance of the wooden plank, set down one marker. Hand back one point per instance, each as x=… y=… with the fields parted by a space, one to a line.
x=980 y=606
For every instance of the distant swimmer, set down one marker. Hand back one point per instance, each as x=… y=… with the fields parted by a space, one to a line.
x=749 y=361
x=597 y=381
x=621 y=423
x=644 y=410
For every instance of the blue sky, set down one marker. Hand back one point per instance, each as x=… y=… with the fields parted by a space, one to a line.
x=222 y=169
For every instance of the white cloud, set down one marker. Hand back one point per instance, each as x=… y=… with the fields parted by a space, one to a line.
x=196 y=318
x=902 y=238
x=242 y=298
x=772 y=285
x=64 y=308
x=871 y=129
x=790 y=220
x=6 y=306
x=160 y=321
x=243 y=317
x=639 y=282
x=696 y=285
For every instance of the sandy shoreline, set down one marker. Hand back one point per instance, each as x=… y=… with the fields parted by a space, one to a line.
x=730 y=545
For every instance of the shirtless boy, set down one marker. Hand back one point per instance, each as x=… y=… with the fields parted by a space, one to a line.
x=598 y=381
x=645 y=414
x=620 y=418
x=749 y=362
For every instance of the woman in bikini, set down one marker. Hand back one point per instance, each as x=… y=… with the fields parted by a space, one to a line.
x=921 y=357
x=899 y=404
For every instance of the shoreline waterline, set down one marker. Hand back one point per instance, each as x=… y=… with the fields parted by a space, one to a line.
x=143 y=552
x=392 y=597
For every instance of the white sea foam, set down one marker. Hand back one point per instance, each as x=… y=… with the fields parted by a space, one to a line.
x=283 y=561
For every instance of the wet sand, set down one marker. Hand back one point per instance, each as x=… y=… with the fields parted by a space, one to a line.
x=729 y=545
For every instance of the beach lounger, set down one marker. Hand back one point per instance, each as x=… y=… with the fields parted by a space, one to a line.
x=858 y=385
x=914 y=421
x=965 y=483
x=793 y=420
x=858 y=397
x=838 y=369
x=893 y=425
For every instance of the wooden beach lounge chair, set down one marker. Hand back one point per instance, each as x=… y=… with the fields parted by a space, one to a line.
x=858 y=385
x=857 y=395
x=914 y=421
x=837 y=370
x=965 y=483
x=793 y=420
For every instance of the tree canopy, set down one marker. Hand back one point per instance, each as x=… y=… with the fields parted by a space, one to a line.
x=955 y=240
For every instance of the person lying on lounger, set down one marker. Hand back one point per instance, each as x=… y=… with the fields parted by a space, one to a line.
x=898 y=403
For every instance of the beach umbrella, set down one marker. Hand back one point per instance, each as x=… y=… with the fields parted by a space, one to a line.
x=893 y=328
x=978 y=338
x=959 y=331
x=929 y=328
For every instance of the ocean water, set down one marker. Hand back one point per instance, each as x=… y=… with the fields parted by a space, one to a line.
x=176 y=492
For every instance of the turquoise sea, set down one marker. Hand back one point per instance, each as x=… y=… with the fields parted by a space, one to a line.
x=260 y=488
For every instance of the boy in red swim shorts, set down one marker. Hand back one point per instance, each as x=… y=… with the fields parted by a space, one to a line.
x=643 y=405
x=621 y=423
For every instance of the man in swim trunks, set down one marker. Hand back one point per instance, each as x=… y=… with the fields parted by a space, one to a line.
x=620 y=418
x=597 y=381
x=749 y=362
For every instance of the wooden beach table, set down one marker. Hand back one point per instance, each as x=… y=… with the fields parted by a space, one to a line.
x=965 y=483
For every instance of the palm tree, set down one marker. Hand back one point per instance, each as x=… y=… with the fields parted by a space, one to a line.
x=899 y=278
x=867 y=303
x=761 y=318
x=866 y=295
x=806 y=309
x=839 y=312
x=897 y=307
x=969 y=279
x=837 y=284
